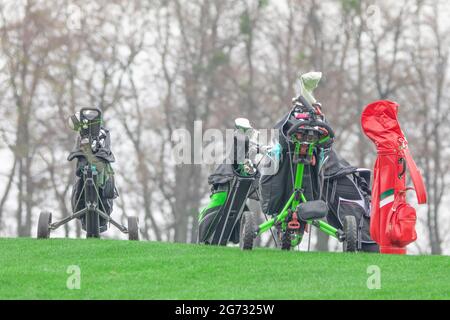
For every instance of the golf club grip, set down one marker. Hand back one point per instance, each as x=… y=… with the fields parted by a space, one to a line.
x=312 y=124
x=306 y=104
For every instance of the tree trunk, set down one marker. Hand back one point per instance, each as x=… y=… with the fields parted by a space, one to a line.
x=187 y=201
x=7 y=190
x=19 y=201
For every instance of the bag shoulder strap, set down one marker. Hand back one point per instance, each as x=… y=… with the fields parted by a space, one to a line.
x=416 y=177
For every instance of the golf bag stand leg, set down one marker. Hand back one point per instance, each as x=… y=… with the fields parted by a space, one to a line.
x=92 y=218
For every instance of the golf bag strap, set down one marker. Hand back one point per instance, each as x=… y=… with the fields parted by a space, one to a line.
x=416 y=177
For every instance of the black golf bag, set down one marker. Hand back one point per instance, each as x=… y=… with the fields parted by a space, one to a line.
x=219 y=222
x=99 y=154
x=345 y=188
x=277 y=187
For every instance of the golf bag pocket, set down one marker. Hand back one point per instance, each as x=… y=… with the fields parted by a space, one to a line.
x=219 y=222
x=347 y=194
x=401 y=222
x=274 y=188
x=209 y=215
x=272 y=193
x=109 y=188
x=106 y=182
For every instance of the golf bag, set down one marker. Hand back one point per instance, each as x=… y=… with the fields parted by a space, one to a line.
x=102 y=157
x=344 y=188
x=393 y=219
x=219 y=222
x=277 y=187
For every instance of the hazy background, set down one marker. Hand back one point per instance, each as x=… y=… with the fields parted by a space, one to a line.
x=155 y=66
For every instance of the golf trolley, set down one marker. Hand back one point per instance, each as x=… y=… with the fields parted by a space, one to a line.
x=92 y=174
x=308 y=131
x=232 y=184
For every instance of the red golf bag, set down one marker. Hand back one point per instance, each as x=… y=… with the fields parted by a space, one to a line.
x=393 y=220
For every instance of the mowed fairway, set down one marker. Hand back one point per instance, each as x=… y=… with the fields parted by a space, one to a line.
x=113 y=269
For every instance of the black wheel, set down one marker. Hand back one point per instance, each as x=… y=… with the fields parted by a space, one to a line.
x=92 y=224
x=248 y=231
x=351 y=234
x=133 y=228
x=285 y=241
x=45 y=219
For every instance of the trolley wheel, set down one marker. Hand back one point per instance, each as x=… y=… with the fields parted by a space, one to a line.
x=248 y=229
x=92 y=224
x=43 y=230
x=133 y=228
x=351 y=234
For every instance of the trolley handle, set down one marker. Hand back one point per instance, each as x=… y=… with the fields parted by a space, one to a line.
x=311 y=123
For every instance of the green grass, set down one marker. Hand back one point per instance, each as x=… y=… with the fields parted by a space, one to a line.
x=112 y=269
